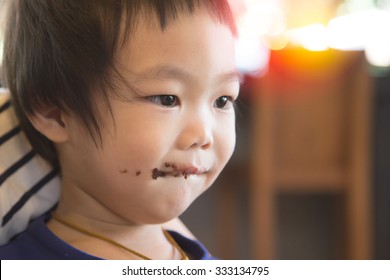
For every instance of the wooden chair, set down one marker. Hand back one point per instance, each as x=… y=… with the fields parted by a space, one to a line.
x=311 y=133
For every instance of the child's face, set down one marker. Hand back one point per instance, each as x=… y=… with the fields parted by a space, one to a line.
x=180 y=124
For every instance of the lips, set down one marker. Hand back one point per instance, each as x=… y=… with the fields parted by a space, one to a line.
x=192 y=170
x=177 y=171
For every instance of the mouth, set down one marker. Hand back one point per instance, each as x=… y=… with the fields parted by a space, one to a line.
x=174 y=171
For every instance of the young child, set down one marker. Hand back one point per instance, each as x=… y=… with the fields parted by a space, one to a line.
x=133 y=102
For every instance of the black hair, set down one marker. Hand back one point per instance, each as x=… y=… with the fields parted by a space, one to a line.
x=61 y=53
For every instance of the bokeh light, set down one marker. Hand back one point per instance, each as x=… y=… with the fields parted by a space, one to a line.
x=351 y=25
x=312 y=37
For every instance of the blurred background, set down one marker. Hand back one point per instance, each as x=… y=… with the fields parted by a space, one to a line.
x=310 y=176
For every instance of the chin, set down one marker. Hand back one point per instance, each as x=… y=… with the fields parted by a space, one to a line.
x=167 y=214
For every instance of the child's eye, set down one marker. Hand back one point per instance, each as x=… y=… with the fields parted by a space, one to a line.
x=164 y=100
x=224 y=102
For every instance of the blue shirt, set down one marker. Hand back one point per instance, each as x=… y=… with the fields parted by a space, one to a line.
x=39 y=243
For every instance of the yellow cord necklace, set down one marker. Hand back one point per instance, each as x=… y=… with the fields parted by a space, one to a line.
x=114 y=243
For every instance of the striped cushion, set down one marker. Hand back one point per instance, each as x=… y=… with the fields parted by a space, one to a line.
x=29 y=186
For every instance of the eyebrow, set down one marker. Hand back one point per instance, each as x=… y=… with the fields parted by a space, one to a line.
x=232 y=76
x=162 y=72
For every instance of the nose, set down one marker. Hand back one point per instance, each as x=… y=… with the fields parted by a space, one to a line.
x=196 y=133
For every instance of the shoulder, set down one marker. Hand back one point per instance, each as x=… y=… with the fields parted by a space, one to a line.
x=39 y=243
x=22 y=246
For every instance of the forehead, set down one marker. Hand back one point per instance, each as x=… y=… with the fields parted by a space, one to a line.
x=191 y=43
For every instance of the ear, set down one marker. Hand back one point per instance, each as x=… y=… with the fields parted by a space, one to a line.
x=51 y=122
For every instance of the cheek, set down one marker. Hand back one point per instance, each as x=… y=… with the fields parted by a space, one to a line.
x=134 y=149
x=225 y=144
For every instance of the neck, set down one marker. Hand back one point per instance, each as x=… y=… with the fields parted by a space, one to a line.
x=114 y=241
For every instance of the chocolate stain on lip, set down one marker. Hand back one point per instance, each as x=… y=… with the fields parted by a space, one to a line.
x=158 y=173
x=174 y=172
